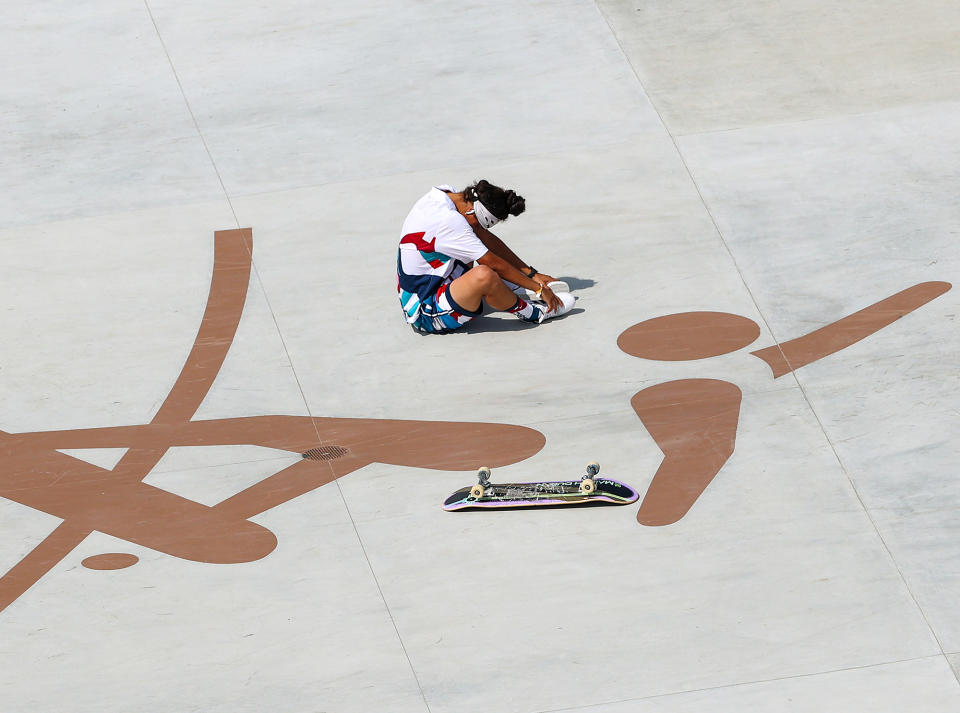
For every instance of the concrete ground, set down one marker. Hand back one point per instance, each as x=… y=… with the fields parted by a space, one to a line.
x=789 y=163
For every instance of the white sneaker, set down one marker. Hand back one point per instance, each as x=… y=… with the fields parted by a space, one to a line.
x=567 y=301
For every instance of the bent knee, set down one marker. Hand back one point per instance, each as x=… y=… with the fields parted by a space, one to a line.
x=484 y=276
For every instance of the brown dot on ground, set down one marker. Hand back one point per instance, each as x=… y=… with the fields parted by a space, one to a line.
x=110 y=560
x=688 y=335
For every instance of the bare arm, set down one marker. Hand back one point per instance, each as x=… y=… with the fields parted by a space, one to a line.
x=512 y=274
x=498 y=247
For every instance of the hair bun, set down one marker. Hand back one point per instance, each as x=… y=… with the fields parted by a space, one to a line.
x=498 y=201
x=515 y=204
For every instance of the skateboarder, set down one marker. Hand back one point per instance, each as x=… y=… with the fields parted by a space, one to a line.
x=446 y=232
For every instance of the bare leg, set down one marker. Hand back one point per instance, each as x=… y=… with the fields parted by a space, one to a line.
x=482 y=284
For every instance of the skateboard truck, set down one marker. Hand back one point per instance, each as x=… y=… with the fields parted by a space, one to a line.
x=483 y=482
x=587 y=485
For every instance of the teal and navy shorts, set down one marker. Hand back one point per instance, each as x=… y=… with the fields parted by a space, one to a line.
x=439 y=313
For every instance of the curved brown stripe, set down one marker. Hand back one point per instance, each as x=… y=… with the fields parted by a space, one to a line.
x=232 y=259
x=792 y=355
x=694 y=421
x=228 y=293
x=225 y=301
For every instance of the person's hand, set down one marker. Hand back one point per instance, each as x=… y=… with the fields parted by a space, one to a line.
x=543 y=279
x=553 y=302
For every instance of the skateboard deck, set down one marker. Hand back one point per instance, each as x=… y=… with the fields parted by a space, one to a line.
x=588 y=490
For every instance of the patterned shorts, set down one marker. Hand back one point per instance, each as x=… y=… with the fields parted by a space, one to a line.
x=439 y=313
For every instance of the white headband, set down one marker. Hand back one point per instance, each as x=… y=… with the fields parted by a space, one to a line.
x=484 y=216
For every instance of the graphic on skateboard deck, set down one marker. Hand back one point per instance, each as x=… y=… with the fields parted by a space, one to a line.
x=588 y=490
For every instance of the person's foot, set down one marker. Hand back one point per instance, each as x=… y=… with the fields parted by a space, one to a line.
x=536 y=310
x=567 y=301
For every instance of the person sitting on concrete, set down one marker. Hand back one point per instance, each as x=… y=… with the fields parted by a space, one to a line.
x=445 y=233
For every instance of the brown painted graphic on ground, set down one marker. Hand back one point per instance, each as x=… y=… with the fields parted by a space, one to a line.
x=789 y=356
x=688 y=336
x=694 y=421
x=117 y=502
x=111 y=560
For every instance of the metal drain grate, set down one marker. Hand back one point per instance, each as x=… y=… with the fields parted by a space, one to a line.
x=326 y=453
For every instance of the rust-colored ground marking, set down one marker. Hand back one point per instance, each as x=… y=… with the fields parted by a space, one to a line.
x=117 y=502
x=112 y=560
x=694 y=421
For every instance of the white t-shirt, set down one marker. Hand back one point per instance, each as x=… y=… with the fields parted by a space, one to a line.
x=437 y=245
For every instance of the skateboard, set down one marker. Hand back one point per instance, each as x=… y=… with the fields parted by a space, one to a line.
x=588 y=490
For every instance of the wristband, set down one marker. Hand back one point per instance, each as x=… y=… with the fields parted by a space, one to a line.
x=533 y=271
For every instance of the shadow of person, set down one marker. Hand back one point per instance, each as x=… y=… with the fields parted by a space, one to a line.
x=507 y=323
x=578 y=283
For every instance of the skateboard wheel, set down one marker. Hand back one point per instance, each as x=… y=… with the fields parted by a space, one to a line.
x=593 y=468
x=476 y=492
x=483 y=473
x=587 y=486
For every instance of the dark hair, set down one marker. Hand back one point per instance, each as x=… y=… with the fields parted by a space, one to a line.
x=498 y=201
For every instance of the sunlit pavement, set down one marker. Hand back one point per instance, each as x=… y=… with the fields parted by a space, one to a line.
x=166 y=546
